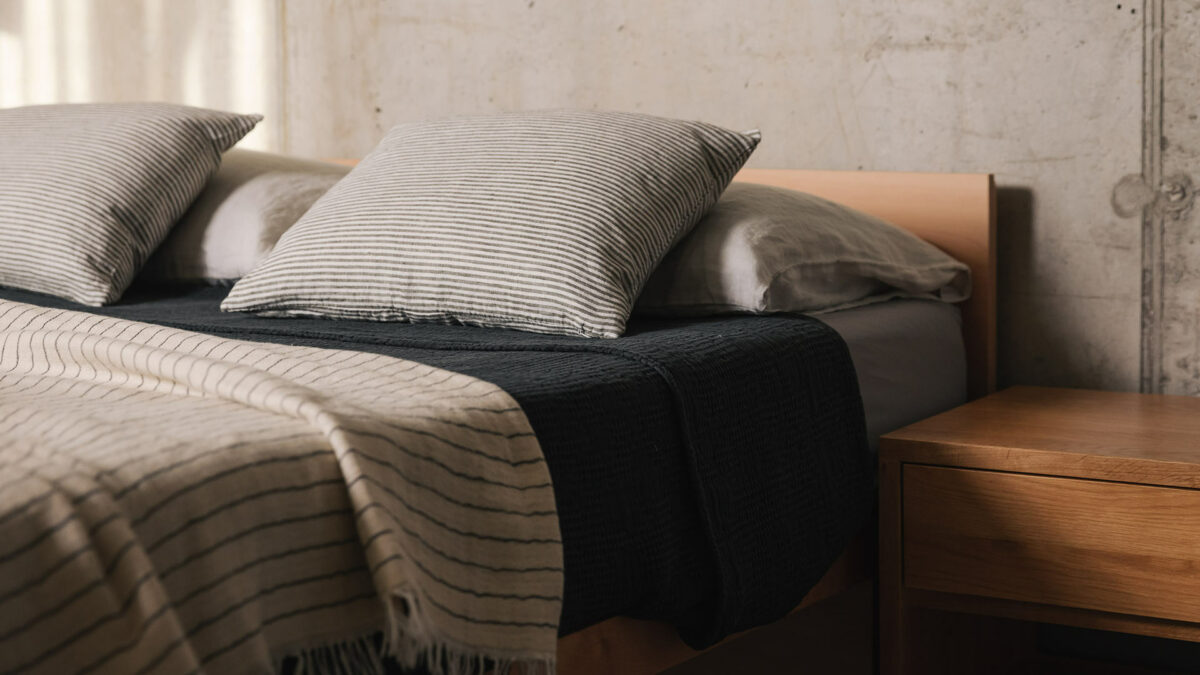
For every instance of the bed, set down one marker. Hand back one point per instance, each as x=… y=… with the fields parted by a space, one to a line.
x=956 y=212
x=659 y=567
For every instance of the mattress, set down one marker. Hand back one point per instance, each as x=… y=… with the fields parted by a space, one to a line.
x=624 y=469
x=910 y=359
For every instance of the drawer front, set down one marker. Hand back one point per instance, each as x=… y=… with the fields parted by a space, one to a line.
x=1114 y=547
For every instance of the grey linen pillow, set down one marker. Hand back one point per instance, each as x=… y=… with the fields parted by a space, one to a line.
x=544 y=221
x=766 y=249
x=234 y=223
x=87 y=191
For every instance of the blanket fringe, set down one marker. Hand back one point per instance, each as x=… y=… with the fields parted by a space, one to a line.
x=410 y=643
x=362 y=655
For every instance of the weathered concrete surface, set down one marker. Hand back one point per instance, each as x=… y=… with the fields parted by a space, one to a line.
x=1047 y=95
x=1180 y=322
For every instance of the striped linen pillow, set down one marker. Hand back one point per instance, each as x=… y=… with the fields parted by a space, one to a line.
x=548 y=222
x=87 y=191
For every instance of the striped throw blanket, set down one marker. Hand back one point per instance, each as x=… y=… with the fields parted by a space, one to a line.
x=172 y=502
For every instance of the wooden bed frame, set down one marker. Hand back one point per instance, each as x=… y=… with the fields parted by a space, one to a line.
x=956 y=213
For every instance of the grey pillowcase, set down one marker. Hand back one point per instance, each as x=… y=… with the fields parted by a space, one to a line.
x=87 y=191
x=765 y=249
x=236 y=221
x=546 y=221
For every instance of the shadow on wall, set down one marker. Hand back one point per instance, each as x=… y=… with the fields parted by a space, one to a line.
x=1014 y=246
x=1027 y=319
x=210 y=53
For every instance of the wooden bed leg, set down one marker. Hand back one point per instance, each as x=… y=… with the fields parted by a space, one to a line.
x=914 y=640
x=891 y=652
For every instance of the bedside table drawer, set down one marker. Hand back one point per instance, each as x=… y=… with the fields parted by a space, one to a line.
x=1114 y=547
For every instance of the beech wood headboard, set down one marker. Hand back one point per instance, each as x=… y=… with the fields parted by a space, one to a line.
x=954 y=211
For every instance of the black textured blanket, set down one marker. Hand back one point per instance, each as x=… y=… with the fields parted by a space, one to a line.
x=707 y=472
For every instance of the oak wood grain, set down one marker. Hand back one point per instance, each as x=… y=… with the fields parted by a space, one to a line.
x=1067 y=616
x=1130 y=549
x=1133 y=438
x=1048 y=505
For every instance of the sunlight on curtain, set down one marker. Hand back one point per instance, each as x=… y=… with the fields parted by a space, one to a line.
x=74 y=19
x=39 y=38
x=12 y=66
x=212 y=53
x=251 y=81
x=153 y=20
x=194 y=63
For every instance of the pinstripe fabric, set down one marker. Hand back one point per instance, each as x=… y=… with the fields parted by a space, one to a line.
x=543 y=221
x=172 y=502
x=88 y=191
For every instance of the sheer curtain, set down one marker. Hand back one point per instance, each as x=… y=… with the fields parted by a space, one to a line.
x=222 y=54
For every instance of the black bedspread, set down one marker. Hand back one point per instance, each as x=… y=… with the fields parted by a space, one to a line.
x=707 y=472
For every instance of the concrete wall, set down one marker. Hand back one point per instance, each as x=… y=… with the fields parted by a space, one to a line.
x=1174 y=338
x=1056 y=98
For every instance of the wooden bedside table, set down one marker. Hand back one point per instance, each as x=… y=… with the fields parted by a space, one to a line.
x=1049 y=505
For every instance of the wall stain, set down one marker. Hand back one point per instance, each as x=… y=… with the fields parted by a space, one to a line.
x=1130 y=195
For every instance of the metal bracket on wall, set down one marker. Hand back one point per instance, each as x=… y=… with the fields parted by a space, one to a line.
x=1176 y=195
